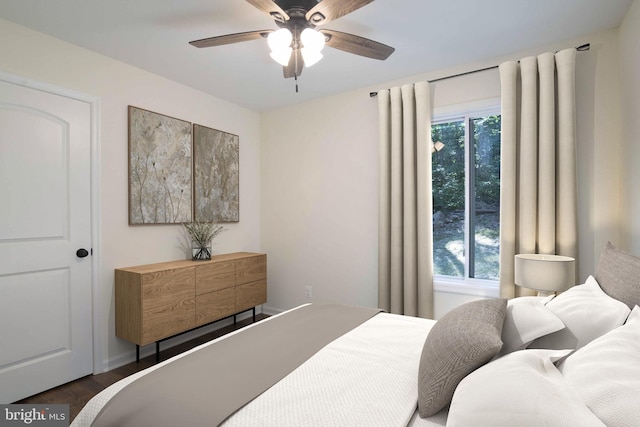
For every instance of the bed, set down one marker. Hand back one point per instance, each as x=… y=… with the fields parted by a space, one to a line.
x=571 y=360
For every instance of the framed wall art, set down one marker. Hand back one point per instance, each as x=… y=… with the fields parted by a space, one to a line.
x=160 y=175
x=216 y=175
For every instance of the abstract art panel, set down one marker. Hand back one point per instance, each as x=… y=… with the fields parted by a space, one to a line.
x=216 y=175
x=159 y=168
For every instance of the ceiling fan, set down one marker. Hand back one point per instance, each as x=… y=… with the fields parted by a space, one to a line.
x=297 y=43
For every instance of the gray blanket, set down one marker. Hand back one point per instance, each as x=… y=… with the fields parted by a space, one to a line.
x=207 y=386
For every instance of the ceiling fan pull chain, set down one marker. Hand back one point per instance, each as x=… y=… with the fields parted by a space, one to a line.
x=295 y=73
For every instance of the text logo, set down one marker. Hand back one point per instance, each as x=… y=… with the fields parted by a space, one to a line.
x=34 y=415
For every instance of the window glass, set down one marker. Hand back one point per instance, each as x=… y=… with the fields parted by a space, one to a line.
x=448 y=184
x=486 y=212
x=466 y=197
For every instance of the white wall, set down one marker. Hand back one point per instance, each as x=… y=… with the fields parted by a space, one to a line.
x=41 y=58
x=629 y=72
x=319 y=201
x=320 y=179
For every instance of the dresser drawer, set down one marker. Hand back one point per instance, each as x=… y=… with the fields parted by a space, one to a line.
x=215 y=305
x=166 y=321
x=250 y=295
x=162 y=288
x=215 y=276
x=167 y=303
x=251 y=269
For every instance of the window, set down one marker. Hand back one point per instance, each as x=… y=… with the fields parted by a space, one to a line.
x=466 y=196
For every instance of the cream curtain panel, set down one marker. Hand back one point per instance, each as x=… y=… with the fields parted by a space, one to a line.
x=405 y=254
x=538 y=201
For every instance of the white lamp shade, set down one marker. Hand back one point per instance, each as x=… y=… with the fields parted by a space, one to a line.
x=282 y=56
x=312 y=40
x=280 y=43
x=544 y=273
x=280 y=39
x=310 y=57
x=312 y=44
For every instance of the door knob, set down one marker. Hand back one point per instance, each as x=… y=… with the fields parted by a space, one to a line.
x=82 y=252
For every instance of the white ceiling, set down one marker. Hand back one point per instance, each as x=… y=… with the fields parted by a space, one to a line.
x=428 y=35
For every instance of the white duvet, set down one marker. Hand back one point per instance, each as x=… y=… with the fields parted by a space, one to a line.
x=367 y=377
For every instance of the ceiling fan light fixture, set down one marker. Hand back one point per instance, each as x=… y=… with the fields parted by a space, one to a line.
x=310 y=57
x=280 y=44
x=312 y=43
x=280 y=39
x=297 y=43
x=282 y=56
x=312 y=40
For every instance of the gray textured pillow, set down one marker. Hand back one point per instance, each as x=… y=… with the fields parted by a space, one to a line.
x=462 y=341
x=618 y=275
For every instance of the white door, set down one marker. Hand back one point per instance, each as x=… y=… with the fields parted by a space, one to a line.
x=45 y=217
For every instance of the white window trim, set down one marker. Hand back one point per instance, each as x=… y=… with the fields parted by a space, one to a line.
x=466 y=285
x=486 y=106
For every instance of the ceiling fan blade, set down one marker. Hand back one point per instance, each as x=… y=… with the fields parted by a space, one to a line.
x=329 y=10
x=295 y=66
x=270 y=8
x=230 y=38
x=357 y=45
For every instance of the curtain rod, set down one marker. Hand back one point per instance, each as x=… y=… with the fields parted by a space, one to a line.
x=580 y=48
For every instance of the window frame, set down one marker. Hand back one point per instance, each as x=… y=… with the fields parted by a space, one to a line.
x=465 y=112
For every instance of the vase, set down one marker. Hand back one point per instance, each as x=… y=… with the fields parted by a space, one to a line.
x=200 y=252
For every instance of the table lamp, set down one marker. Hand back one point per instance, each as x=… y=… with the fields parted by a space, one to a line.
x=546 y=274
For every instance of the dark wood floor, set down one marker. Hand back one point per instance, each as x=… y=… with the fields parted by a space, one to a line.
x=77 y=393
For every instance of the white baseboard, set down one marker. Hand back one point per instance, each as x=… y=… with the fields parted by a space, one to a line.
x=272 y=311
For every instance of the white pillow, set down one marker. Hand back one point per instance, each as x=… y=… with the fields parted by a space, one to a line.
x=606 y=374
x=587 y=313
x=521 y=389
x=527 y=319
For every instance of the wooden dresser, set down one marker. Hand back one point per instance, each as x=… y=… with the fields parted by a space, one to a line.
x=158 y=301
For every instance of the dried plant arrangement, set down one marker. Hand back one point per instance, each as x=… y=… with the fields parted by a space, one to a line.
x=202 y=234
